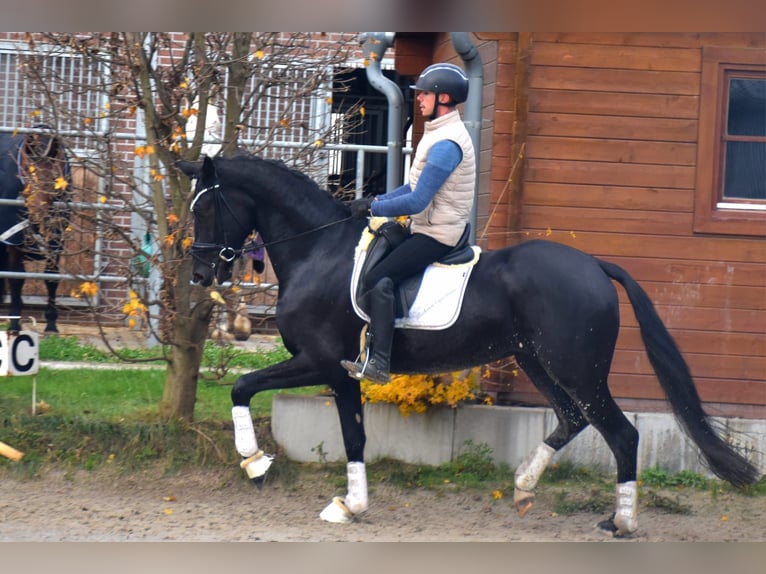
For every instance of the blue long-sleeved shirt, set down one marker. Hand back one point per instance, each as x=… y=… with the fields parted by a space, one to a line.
x=443 y=157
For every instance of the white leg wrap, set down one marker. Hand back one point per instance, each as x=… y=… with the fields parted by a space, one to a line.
x=356 y=499
x=625 y=515
x=342 y=510
x=244 y=433
x=530 y=471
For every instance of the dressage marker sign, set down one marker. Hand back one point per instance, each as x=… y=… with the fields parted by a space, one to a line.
x=19 y=354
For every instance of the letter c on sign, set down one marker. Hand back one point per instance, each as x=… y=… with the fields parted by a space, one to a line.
x=24 y=349
x=19 y=354
x=24 y=354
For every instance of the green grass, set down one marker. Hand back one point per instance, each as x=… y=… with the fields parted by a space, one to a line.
x=122 y=393
x=215 y=356
x=126 y=393
x=91 y=417
x=472 y=468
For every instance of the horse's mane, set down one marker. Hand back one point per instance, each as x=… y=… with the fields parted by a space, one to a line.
x=249 y=158
x=294 y=172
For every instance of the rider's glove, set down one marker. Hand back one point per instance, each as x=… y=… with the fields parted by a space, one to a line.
x=360 y=207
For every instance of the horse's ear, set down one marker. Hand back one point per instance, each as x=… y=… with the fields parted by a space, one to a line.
x=203 y=170
x=208 y=169
x=191 y=169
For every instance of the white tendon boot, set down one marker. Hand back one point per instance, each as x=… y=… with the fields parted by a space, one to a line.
x=527 y=475
x=625 y=515
x=342 y=510
x=255 y=462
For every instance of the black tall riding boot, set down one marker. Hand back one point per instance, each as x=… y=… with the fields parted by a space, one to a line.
x=379 y=336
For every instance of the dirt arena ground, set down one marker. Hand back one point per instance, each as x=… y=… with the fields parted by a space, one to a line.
x=221 y=505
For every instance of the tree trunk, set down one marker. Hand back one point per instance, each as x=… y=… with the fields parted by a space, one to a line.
x=238 y=75
x=180 y=393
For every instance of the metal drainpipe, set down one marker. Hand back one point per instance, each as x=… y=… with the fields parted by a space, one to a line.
x=473 y=106
x=377 y=43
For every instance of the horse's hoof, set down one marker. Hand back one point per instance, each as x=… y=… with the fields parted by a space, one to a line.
x=608 y=526
x=51 y=330
x=258 y=481
x=337 y=512
x=256 y=467
x=617 y=529
x=523 y=500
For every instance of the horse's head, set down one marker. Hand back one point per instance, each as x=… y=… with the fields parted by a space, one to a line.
x=43 y=167
x=218 y=231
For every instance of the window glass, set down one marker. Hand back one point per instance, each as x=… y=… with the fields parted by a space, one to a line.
x=747 y=107
x=745 y=156
x=745 y=171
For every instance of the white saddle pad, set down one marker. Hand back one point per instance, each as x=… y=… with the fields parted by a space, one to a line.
x=439 y=299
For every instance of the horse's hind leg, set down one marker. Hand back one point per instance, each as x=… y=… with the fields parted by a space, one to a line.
x=51 y=311
x=582 y=397
x=15 y=305
x=585 y=381
x=622 y=437
x=570 y=423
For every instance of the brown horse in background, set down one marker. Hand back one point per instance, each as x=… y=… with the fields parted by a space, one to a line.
x=33 y=168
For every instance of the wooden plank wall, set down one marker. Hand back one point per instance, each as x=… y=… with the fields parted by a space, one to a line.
x=611 y=153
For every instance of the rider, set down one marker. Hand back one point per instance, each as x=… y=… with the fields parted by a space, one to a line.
x=438 y=199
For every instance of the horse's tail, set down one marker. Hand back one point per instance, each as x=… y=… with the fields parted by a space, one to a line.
x=676 y=380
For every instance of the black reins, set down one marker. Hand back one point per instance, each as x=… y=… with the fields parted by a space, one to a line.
x=227 y=253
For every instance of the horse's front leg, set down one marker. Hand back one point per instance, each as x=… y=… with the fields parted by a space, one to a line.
x=295 y=372
x=348 y=400
x=299 y=371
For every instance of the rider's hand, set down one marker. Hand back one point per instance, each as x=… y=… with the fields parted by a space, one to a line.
x=360 y=207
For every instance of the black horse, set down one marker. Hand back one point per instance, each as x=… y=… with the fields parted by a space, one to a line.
x=33 y=167
x=555 y=308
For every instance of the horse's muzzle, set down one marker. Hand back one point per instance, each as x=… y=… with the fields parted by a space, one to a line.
x=204 y=280
x=205 y=275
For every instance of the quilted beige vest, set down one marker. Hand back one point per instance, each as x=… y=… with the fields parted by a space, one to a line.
x=445 y=217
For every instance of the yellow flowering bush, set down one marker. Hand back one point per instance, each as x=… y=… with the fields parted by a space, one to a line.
x=415 y=393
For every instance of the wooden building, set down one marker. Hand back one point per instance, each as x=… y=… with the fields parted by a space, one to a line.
x=648 y=150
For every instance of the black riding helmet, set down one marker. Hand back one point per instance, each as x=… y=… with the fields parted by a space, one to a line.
x=444 y=78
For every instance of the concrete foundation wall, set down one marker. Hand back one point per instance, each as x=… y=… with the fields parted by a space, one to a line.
x=308 y=430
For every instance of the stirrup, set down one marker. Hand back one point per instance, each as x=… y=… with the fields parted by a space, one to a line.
x=354 y=369
x=361 y=371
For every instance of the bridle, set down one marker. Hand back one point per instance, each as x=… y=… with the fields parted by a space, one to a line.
x=226 y=253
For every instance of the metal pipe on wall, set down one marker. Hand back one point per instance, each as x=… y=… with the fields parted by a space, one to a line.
x=472 y=111
x=374 y=45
